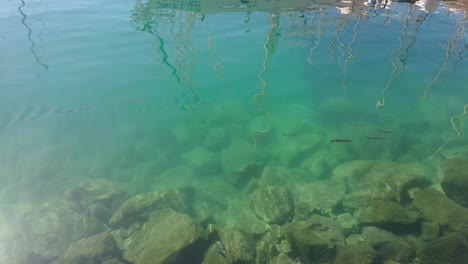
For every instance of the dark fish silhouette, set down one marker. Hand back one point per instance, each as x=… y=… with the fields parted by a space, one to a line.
x=370 y=137
x=341 y=140
x=385 y=131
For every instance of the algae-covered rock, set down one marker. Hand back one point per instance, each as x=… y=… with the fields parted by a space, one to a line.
x=273 y=204
x=317 y=238
x=449 y=249
x=388 y=245
x=202 y=161
x=355 y=254
x=292 y=149
x=140 y=206
x=93 y=249
x=98 y=197
x=347 y=223
x=282 y=259
x=163 y=236
x=238 y=245
x=215 y=255
x=383 y=212
x=429 y=230
x=46 y=232
x=436 y=207
x=321 y=196
x=455 y=181
x=370 y=180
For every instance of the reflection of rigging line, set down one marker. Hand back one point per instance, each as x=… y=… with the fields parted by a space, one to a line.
x=263 y=85
x=341 y=27
x=458 y=130
x=317 y=42
x=33 y=44
x=188 y=47
x=332 y=42
x=350 y=54
x=450 y=47
x=461 y=28
x=217 y=66
x=396 y=68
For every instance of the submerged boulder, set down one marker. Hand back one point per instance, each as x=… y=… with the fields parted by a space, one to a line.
x=383 y=212
x=273 y=204
x=449 y=249
x=436 y=207
x=237 y=245
x=388 y=246
x=165 y=235
x=355 y=254
x=455 y=180
x=317 y=238
x=371 y=180
x=319 y=197
x=99 y=198
x=142 y=205
x=93 y=249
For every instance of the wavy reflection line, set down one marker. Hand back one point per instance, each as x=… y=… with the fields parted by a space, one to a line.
x=267 y=46
x=350 y=54
x=397 y=66
x=319 y=32
x=450 y=46
x=33 y=44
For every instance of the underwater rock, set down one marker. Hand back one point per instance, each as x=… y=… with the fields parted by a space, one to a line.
x=317 y=238
x=165 y=235
x=238 y=246
x=216 y=139
x=293 y=178
x=347 y=223
x=321 y=196
x=215 y=255
x=46 y=232
x=292 y=150
x=355 y=254
x=202 y=162
x=452 y=248
x=242 y=176
x=376 y=180
x=266 y=246
x=282 y=259
x=388 y=245
x=436 y=207
x=98 y=197
x=383 y=212
x=429 y=230
x=234 y=156
x=455 y=181
x=142 y=205
x=93 y=249
x=273 y=204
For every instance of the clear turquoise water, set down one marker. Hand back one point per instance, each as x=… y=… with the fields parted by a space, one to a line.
x=154 y=97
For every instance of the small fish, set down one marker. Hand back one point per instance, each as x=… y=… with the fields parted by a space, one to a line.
x=290 y=134
x=67 y=111
x=136 y=99
x=53 y=109
x=370 y=137
x=341 y=140
x=385 y=131
x=207 y=103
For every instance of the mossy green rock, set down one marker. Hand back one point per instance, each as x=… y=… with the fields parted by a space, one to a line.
x=273 y=204
x=449 y=249
x=455 y=181
x=319 y=196
x=163 y=236
x=436 y=207
x=139 y=207
x=355 y=254
x=93 y=249
x=282 y=259
x=237 y=244
x=383 y=211
x=388 y=246
x=215 y=255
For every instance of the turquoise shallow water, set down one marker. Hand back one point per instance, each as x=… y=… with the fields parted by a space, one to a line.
x=155 y=94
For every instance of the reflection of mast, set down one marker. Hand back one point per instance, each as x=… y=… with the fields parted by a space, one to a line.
x=350 y=53
x=451 y=44
x=319 y=32
x=397 y=66
x=33 y=44
x=269 y=47
x=217 y=65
